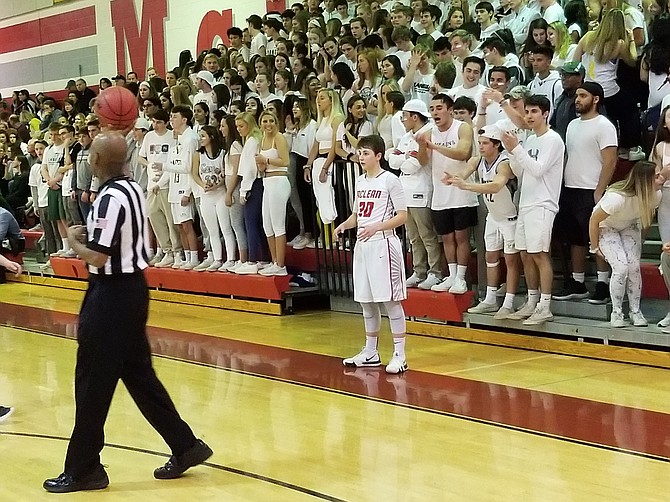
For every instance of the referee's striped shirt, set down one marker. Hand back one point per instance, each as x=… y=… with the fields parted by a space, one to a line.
x=117 y=226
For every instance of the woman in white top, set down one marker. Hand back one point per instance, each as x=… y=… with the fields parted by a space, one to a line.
x=303 y=131
x=389 y=118
x=560 y=40
x=200 y=116
x=600 y=52
x=369 y=79
x=272 y=161
x=251 y=193
x=232 y=225
x=207 y=172
x=615 y=233
x=318 y=169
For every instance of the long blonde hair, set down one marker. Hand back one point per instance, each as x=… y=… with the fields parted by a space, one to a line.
x=381 y=102
x=640 y=183
x=335 y=106
x=373 y=67
x=254 y=130
x=563 y=39
x=604 y=41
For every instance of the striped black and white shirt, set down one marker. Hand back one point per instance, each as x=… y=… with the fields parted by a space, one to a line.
x=117 y=226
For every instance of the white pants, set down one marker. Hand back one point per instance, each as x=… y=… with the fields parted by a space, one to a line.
x=324 y=192
x=379 y=271
x=276 y=192
x=212 y=206
x=232 y=225
x=622 y=250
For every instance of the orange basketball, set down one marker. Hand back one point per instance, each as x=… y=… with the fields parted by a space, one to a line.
x=116 y=107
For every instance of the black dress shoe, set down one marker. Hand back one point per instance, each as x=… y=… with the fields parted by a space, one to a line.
x=176 y=466
x=65 y=483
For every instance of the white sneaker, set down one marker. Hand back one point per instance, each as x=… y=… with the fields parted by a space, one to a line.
x=303 y=243
x=363 y=359
x=431 y=280
x=616 y=320
x=248 y=268
x=178 y=262
x=157 y=258
x=412 y=281
x=311 y=244
x=445 y=285
x=58 y=254
x=459 y=287
x=525 y=311
x=635 y=154
x=269 y=270
x=637 y=319
x=189 y=265
x=215 y=266
x=665 y=322
x=204 y=265
x=294 y=241
x=541 y=315
x=503 y=313
x=280 y=271
x=396 y=365
x=69 y=254
x=262 y=265
x=483 y=308
x=226 y=266
x=166 y=261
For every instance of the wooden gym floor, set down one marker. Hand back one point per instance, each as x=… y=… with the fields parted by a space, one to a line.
x=287 y=422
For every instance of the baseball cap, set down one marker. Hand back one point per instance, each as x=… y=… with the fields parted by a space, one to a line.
x=593 y=88
x=142 y=123
x=70 y=84
x=145 y=84
x=519 y=92
x=207 y=77
x=573 y=68
x=416 y=106
x=119 y=77
x=490 y=132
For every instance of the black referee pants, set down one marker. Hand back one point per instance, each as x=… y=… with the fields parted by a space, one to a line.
x=113 y=345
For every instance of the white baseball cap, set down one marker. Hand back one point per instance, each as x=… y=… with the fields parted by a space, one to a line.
x=491 y=132
x=207 y=77
x=416 y=106
x=143 y=123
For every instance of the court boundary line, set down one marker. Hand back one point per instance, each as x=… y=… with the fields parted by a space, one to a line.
x=220 y=467
x=482 y=421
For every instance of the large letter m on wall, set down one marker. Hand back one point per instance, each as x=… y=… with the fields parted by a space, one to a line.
x=136 y=40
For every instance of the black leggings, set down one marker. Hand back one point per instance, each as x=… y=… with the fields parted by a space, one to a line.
x=623 y=112
x=306 y=194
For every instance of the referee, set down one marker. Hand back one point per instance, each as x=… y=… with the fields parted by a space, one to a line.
x=112 y=329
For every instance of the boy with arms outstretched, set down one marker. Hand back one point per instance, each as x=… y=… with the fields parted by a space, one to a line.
x=379 y=269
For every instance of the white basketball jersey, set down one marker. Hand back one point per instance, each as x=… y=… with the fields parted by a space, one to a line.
x=378 y=199
x=500 y=205
x=448 y=196
x=211 y=170
x=180 y=159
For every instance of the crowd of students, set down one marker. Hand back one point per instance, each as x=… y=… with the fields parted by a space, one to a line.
x=526 y=103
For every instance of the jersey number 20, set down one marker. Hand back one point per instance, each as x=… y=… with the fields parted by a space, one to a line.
x=365 y=209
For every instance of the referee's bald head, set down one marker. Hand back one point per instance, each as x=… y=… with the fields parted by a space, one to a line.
x=107 y=155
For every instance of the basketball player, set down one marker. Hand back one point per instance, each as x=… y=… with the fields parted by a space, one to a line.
x=498 y=186
x=12 y=266
x=379 y=270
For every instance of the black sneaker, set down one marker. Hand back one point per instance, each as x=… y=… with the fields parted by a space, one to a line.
x=601 y=295
x=176 y=466
x=572 y=290
x=5 y=412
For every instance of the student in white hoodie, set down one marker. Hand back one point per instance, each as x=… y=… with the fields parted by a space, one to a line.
x=427 y=254
x=547 y=82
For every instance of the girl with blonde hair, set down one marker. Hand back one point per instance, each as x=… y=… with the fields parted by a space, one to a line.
x=179 y=95
x=615 y=229
x=389 y=115
x=318 y=169
x=600 y=52
x=559 y=38
x=251 y=192
x=369 y=78
x=272 y=161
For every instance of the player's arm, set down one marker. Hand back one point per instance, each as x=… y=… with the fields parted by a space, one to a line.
x=10 y=265
x=498 y=183
x=462 y=150
x=471 y=167
x=350 y=222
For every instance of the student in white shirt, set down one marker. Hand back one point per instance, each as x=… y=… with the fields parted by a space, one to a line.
x=259 y=41
x=547 y=82
x=539 y=165
x=473 y=68
x=416 y=83
x=518 y=20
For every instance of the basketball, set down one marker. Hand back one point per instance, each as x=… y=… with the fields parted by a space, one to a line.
x=116 y=107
